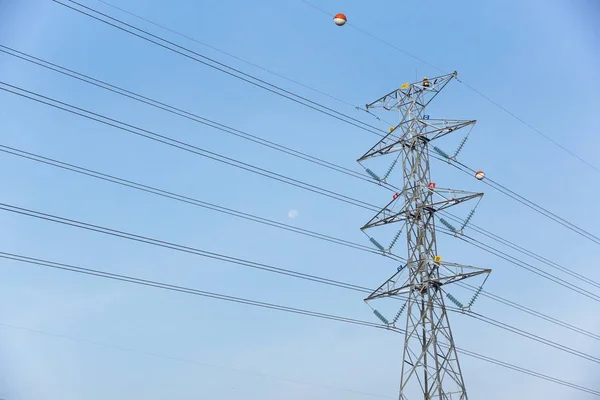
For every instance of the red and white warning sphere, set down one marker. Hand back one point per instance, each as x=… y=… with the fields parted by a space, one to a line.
x=479 y=175
x=340 y=19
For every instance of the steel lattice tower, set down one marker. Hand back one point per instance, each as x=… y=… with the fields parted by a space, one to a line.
x=430 y=368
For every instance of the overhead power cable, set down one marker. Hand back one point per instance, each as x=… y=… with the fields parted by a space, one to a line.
x=184 y=199
x=284 y=149
x=522 y=250
x=23 y=53
x=395 y=47
x=196 y=150
x=254 y=218
x=239 y=300
x=224 y=68
x=181 y=145
x=184 y=148
x=212 y=155
x=185 y=249
x=177 y=247
x=479 y=93
x=527 y=310
x=217 y=157
x=230 y=55
x=250 y=264
x=199 y=151
x=503 y=189
x=182 y=289
x=378 y=131
x=527 y=203
x=182 y=113
x=510 y=193
x=537 y=338
x=522 y=264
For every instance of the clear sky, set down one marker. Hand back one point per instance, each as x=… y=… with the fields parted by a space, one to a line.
x=540 y=59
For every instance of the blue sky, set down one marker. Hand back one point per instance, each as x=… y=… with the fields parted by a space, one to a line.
x=537 y=58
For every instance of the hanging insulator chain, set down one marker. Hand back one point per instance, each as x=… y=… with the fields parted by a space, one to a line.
x=377 y=244
x=399 y=313
x=373 y=175
x=467 y=220
x=460 y=146
x=454 y=300
x=389 y=171
x=475 y=296
x=448 y=225
x=441 y=152
x=395 y=240
x=381 y=317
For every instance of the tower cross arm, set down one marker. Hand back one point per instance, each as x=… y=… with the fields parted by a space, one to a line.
x=457 y=272
x=388 y=216
x=449 y=202
x=428 y=129
x=427 y=92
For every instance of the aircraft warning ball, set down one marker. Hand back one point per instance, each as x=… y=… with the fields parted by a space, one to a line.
x=479 y=175
x=340 y=19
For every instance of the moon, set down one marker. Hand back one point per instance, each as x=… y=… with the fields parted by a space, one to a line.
x=292 y=214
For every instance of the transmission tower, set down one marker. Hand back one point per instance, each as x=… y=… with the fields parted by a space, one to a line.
x=430 y=367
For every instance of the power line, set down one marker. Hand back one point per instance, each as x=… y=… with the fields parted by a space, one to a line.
x=232 y=71
x=183 y=146
x=520 y=263
x=332 y=96
x=239 y=300
x=178 y=111
x=179 y=144
x=519 y=369
x=229 y=54
x=182 y=198
x=487 y=98
x=538 y=271
x=489 y=181
x=373 y=36
x=241 y=262
x=293 y=152
x=77 y=171
x=501 y=188
x=505 y=191
x=243 y=166
x=528 y=203
x=199 y=151
x=177 y=247
x=537 y=338
x=254 y=218
x=523 y=250
x=530 y=311
x=182 y=289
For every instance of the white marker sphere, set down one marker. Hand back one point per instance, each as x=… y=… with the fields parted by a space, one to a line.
x=479 y=175
x=340 y=19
